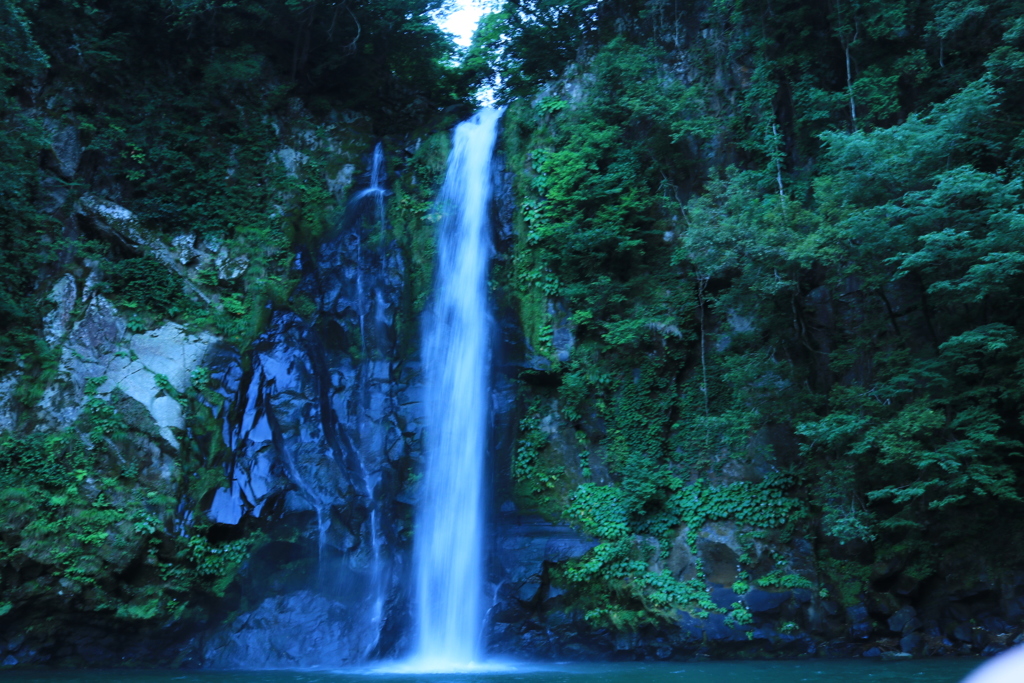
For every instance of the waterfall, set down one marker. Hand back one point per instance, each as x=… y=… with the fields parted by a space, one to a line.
x=378 y=574
x=378 y=580
x=456 y=357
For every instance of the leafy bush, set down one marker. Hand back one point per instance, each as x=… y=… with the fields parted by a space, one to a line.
x=145 y=283
x=50 y=459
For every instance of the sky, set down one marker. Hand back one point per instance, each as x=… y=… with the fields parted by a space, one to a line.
x=462 y=22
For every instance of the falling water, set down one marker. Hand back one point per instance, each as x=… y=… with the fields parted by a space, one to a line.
x=449 y=530
x=378 y=580
x=376 y=190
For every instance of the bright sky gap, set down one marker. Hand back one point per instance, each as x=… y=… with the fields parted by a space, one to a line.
x=463 y=20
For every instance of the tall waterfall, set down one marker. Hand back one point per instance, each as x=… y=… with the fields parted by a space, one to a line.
x=449 y=529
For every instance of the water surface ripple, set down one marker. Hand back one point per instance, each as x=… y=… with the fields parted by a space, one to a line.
x=810 y=671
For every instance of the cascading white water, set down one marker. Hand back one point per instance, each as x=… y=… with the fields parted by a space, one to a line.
x=456 y=358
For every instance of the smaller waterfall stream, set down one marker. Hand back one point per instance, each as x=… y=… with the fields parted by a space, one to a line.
x=378 y=579
x=449 y=529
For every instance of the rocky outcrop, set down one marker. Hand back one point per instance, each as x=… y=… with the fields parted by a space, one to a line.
x=301 y=629
x=8 y=407
x=323 y=432
x=64 y=296
x=99 y=356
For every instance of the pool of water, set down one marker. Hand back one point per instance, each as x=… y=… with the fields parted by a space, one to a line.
x=811 y=671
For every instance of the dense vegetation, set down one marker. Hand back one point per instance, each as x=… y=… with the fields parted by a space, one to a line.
x=236 y=126
x=180 y=105
x=768 y=263
x=772 y=252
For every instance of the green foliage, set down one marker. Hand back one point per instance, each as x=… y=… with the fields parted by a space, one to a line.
x=215 y=566
x=144 y=283
x=529 y=41
x=192 y=136
x=412 y=218
x=764 y=505
x=739 y=615
x=50 y=459
x=73 y=511
x=804 y=223
x=380 y=57
x=781 y=579
x=614 y=586
x=850 y=579
x=23 y=228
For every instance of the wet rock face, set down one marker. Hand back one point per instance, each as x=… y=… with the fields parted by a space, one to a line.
x=65 y=152
x=302 y=629
x=323 y=428
x=92 y=643
x=525 y=547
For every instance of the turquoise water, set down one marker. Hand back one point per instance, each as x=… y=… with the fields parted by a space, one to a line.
x=811 y=671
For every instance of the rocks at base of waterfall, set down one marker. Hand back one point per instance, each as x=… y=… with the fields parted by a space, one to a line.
x=526 y=547
x=905 y=620
x=859 y=622
x=87 y=640
x=718 y=628
x=531 y=616
x=760 y=601
x=301 y=629
x=561 y=635
x=686 y=629
x=723 y=597
x=525 y=544
x=911 y=643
